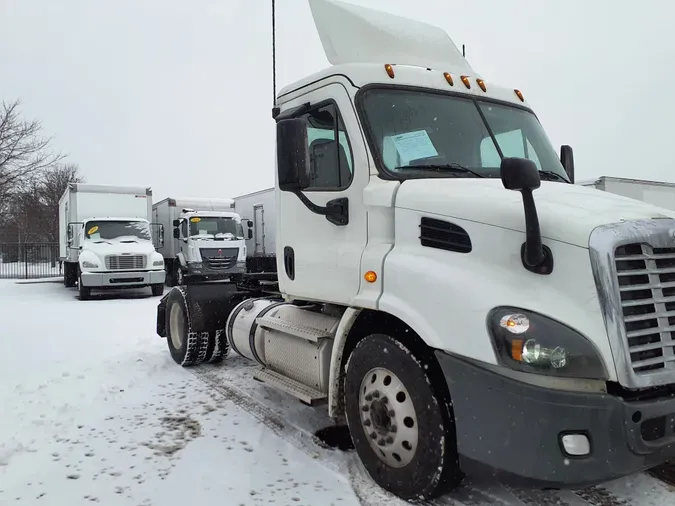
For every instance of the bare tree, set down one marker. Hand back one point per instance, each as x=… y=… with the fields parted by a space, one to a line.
x=53 y=184
x=23 y=151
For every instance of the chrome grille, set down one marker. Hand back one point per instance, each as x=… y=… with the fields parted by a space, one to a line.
x=646 y=277
x=220 y=258
x=125 y=262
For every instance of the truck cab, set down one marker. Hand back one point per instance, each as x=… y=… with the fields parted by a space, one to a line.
x=212 y=246
x=442 y=284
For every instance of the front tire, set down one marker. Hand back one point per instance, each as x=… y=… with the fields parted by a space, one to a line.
x=84 y=291
x=400 y=421
x=157 y=290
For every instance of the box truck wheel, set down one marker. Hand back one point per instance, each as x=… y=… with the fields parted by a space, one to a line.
x=69 y=275
x=401 y=425
x=157 y=290
x=184 y=344
x=85 y=291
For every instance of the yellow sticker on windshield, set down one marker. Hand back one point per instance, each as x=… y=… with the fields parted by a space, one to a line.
x=195 y=219
x=92 y=230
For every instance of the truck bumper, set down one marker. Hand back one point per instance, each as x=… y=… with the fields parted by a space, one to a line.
x=123 y=279
x=517 y=429
x=203 y=271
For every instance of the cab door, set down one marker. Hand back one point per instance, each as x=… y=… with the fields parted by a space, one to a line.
x=321 y=255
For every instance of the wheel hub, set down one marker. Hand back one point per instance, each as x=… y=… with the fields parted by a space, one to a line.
x=388 y=417
x=176 y=325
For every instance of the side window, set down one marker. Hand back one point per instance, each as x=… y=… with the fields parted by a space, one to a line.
x=331 y=163
x=184 y=229
x=512 y=144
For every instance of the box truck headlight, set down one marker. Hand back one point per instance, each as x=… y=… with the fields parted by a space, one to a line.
x=158 y=263
x=530 y=342
x=86 y=264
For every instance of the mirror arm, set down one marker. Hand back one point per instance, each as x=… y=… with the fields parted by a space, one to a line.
x=337 y=210
x=536 y=256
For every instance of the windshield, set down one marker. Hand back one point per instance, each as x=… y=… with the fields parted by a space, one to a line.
x=412 y=128
x=109 y=230
x=215 y=227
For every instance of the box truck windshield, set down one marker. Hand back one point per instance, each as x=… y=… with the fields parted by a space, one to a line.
x=414 y=131
x=123 y=230
x=215 y=227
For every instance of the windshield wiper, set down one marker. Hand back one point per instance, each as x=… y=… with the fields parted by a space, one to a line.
x=550 y=175
x=450 y=167
x=102 y=241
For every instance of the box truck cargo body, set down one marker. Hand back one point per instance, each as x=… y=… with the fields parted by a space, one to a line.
x=657 y=193
x=258 y=212
x=106 y=239
x=207 y=239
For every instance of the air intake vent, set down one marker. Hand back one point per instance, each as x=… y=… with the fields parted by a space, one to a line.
x=443 y=235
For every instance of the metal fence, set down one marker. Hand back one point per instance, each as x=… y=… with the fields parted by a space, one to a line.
x=29 y=260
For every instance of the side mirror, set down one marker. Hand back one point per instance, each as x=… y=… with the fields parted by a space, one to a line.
x=250 y=233
x=292 y=155
x=176 y=233
x=249 y=224
x=176 y=223
x=567 y=160
x=519 y=174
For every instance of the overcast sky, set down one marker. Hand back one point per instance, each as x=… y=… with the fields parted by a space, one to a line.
x=177 y=95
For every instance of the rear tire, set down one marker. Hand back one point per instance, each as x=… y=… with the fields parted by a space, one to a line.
x=186 y=347
x=157 y=290
x=219 y=347
x=401 y=423
x=85 y=291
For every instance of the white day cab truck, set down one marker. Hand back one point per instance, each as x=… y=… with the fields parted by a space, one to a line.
x=442 y=284
x=207 y=244
x=106 y=239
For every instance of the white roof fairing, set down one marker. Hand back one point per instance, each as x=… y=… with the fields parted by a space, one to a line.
x=354 y=34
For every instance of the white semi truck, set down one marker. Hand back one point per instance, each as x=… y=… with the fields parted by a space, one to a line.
x=207 y=243
x=658 y=193
x=441 y=283
x=106 y=239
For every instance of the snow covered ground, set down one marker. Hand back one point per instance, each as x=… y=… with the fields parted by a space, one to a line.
x=93 y=410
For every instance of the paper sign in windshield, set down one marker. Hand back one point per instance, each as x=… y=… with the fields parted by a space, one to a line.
x=414 y=145
x=196 y=219
x=92 y=230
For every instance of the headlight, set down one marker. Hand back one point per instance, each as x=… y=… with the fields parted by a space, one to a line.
x=530 y=342
x=158 y=263
x=89 y=265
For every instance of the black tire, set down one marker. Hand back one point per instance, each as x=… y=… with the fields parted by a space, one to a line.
x=157 y=290
x=84 y=291
x=432 y=466
x=218 y=348
x=69 y=275
x=187 y=348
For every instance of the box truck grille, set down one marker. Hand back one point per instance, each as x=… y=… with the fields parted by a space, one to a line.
x=220 y=258
x=646 y=279
x=125 y=262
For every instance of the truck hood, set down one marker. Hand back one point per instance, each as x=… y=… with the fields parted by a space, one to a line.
x=567 y=213
x=116 y=248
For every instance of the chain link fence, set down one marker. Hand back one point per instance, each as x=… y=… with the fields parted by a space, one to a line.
x=29 y=260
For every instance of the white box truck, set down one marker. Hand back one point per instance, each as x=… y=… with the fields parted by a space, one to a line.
x=257 y=211
x=207 y=243
x=657 y=193
x=105 y=239
x=441 y=282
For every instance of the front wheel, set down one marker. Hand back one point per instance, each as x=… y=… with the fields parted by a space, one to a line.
x=157 y=290
x=84 y=291
x=401 y=423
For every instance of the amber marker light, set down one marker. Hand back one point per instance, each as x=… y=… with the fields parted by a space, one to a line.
x=390 y=70
x=370 y=277
x=481 y=83
x=519 y=95
x=466 y=81
x=448 y=78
